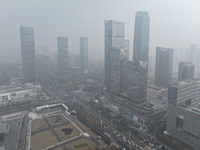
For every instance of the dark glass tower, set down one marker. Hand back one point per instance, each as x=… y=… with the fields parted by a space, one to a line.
x=164 y=62
x=63 y=56
x=83 y=57
x=84 y=54
x=28 y=53
x=141 y=37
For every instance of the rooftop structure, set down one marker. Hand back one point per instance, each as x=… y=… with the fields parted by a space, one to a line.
x=186 y=92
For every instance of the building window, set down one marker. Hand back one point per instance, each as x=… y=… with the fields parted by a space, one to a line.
x=5 y=97
x=13 y=94
x=26 y=95
x=179 y=122
x=188 y=102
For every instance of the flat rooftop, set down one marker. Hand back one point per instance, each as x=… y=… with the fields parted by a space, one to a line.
x=192 y=109
x=18 y=87
x=184 y=82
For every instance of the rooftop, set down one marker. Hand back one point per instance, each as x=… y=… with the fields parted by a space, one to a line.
x=193 y=109
x=18 y=87
x=184 y=82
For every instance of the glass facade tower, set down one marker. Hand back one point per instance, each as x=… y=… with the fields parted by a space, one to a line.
x=164 y=63
x=141 y=37
x=28 y=53
x=63 y=56
x=114 y=41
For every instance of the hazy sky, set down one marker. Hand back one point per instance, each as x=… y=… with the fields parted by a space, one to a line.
x=173 y=23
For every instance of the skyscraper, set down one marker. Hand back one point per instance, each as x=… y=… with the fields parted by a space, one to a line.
x=185 y=70
x=141 y=37
x=164 y=63
x=119 y=64
x=137 y=81
x=114 y=39
x=193 y=56
x=28 y=53
x=83 y=58
x=84 y=54
x=63 y=56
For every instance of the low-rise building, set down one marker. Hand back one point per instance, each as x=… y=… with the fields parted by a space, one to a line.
x=19 y=92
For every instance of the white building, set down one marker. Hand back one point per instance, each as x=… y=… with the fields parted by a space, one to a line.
x=20 y=93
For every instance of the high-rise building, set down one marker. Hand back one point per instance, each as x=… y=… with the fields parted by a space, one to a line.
x=137 y=80
x=84 y=54
x=192 y=53
x=114 y=39
x=28 y=53
x=183 y=117
x=164 y=63
x=185 y=70
x=141 y=37
x=63 y=56
x=193 y=56
x=118 y=69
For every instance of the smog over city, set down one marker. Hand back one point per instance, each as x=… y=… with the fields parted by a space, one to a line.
x=99 y=75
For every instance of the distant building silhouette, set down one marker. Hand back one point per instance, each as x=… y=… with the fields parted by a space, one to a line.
x=185 y=70
x=141 y=37
x=164 y=63
x=83 y=57
x=63 y=56
x=193 y=56
x=77 y=61
x=28 y=53
x=84 y=54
